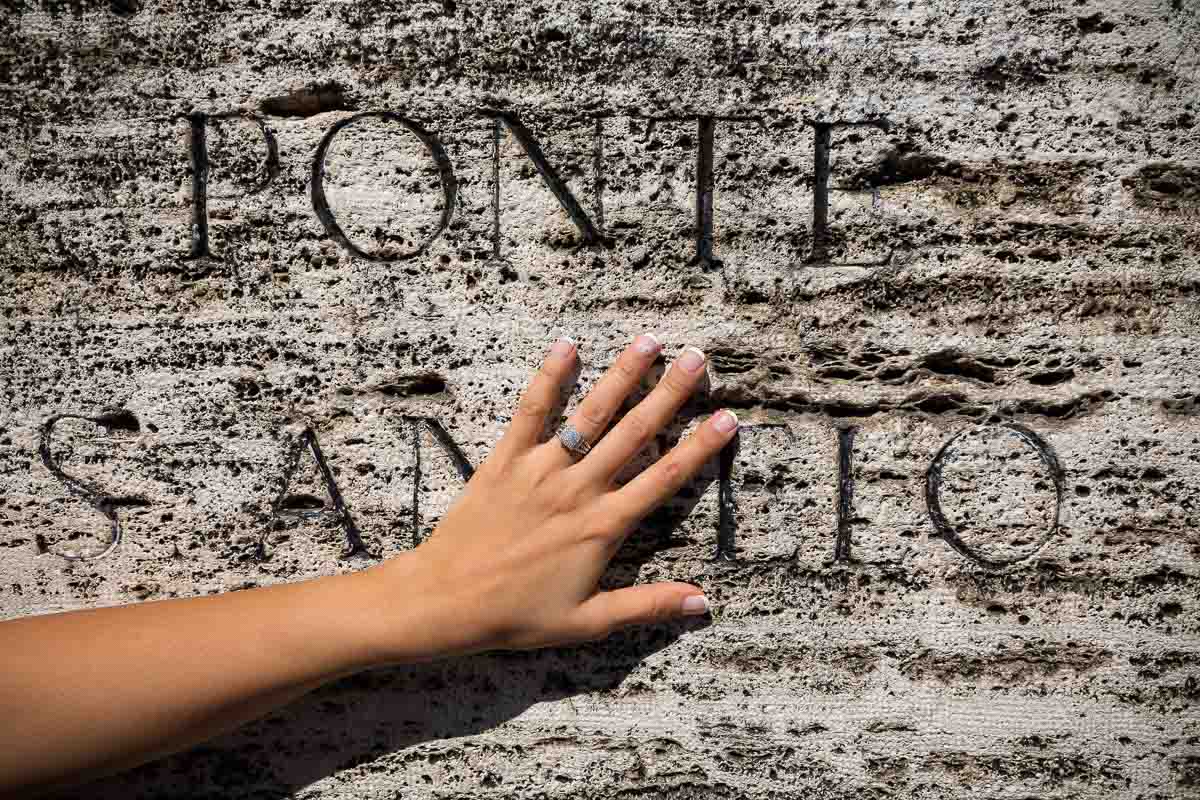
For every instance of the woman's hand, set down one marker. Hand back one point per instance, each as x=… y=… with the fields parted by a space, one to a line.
x=514 y=564
x=516 y=561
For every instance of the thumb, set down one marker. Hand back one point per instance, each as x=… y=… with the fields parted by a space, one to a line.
x=604 y=612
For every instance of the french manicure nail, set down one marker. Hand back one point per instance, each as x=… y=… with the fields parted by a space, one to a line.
x=725 y=421
x=647 y=343
x=694 y=604
x=562 y=347
x=691 y=360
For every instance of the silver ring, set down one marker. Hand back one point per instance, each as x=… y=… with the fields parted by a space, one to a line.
x=573 y=440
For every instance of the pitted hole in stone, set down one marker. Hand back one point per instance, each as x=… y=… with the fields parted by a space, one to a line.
x=997 y=493
x=421 y=383
x=308 y=101
x=239 y=159
x=383 y=188
x=299 y=503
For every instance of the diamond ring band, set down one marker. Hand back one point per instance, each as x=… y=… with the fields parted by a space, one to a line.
x=573 y=440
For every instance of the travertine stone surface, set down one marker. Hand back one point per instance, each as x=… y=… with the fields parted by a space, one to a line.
x=943 y=257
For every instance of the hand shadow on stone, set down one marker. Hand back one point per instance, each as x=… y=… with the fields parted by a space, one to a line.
x=361 y=724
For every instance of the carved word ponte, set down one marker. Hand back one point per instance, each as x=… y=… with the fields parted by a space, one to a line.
x=590 y=229
x=726 y=545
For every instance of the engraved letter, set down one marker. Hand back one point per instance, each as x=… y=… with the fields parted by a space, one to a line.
x=822 y=145
x=198 y=152
x=308 y=441
x=436 y=152
x=841 y=549
x=556 y=185
x=101 y=500
x=933 y=484
x=461 y=464
x=704 y=195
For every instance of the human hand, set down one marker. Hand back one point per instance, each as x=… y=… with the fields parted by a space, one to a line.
x=517 y=559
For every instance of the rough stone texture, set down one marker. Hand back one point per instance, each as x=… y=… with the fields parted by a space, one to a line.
x=1011 y=258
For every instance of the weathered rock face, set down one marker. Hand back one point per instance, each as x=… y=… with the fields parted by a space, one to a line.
x=943 y=257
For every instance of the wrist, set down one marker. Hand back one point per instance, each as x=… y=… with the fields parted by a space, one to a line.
x=412 y=614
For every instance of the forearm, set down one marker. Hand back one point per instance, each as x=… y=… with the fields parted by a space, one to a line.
x=91 y=692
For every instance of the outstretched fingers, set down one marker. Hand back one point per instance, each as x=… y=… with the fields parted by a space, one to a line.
x=665 y=477
x=539 y=398
x=606 y=397
x=645 y=420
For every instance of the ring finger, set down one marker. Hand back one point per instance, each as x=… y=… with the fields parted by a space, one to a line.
x=602 y=402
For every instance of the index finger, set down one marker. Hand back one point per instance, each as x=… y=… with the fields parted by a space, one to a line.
x=538 y=399
x=663 y=479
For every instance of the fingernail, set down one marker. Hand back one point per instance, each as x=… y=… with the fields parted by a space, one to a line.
x=691 y=360
x=695 y=604
x=647 y=343
x=562 y=347
x=725 y=421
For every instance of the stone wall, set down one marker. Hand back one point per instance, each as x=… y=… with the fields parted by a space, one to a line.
x=943 y=257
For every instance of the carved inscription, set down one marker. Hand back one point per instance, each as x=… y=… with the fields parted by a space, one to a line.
x=933 y=492
x=198 y=154
x=589 y=225
x=291 y=508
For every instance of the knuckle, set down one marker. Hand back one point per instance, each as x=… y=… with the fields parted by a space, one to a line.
x=564 y=492
x=492 y=470
x=638 y=428
x=561 y=501
x=661 y=609
x=599 y=526
x=676 y=383
x=552 y=495
x=593 y=414
x=708 y=438
x=614 y=516
x=673 y=472
x=598 y=532
x=553 y=369
x=532 y=406
x=626 y=369
x=597 y=628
